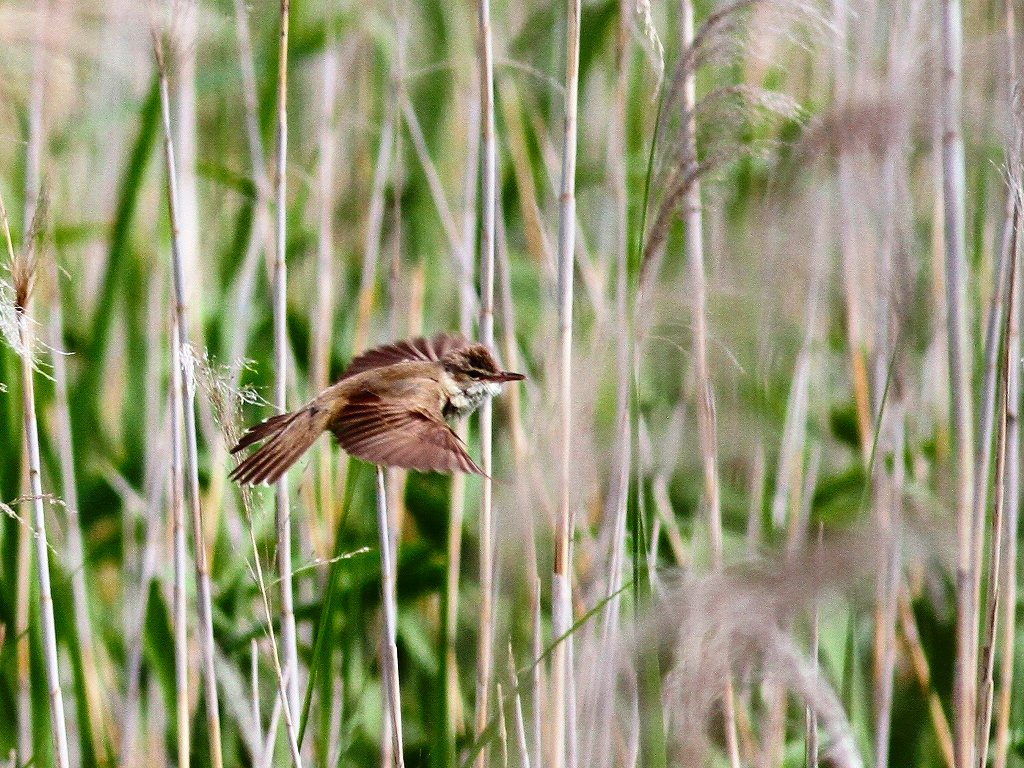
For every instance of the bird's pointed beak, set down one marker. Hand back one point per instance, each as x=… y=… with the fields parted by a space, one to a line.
x=503 y=376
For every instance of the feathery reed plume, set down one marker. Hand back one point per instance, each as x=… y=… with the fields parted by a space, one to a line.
x=204 y=608
x=23 y=274
x=744 y=634
x=489 y=191
x=561 y=579
x=280 y=299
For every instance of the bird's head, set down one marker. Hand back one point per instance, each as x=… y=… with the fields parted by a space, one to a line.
x=474 y=364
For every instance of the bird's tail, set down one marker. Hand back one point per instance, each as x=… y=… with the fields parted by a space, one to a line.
x=287 y=436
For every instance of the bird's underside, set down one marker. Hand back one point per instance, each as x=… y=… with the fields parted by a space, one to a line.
x=387 y=409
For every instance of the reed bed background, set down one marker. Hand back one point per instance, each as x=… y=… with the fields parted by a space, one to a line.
x=756 y=504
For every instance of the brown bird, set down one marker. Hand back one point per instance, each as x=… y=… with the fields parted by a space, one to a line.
x=392 y=406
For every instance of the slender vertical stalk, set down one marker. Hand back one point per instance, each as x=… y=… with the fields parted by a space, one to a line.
x=919 y=662
x=537 y=677
x=324 y=307
x=241 y=292
x=953 y=191
x=467 y=304
x=34 y=136
x=615 y=505
x=517 y=702
x=22 y=269
x=1008 y=574
x=561 y=580
x=995 y=572
x=290 y=726
x=992 y=381
x=180 y=557
x=281 y=508
x=202 y=569
x=22 y=590
x=49 y=631
x=33 y=154
x=33 y=162
x=810 y=714
x=390 y=611
x=185 y=31
x=693 y=222
x=485 y=645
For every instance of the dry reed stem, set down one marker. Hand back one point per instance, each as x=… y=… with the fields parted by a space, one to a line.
x=254 y=695
x=810 y=715
x=396 y=302
x=850 y=255
x=185 y=35
x=995 y=572
x=280 y=704
x=374 y=225
x=157 y=460
x=224 y=410
x=467 y=308
x=693 y=222
x=502 y=724
x=323 y=310
x=919 y=662
x=959 y=346
x=537 y=241
x=517 y=702
x=615 y=506
x=437 y=194
x=1007 y=576
x=243 y=289
x=181 y=665
x=21 y=619
x=592 y=280
x=75 y=548
x=389 y=657
x=187 y=403
x=22 y=270
x=282 y=512
x=76 y=561
x=489 y=191
x=994 y=327
x=537 y=690
x=561 y=583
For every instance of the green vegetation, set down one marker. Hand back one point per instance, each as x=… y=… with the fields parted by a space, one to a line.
x=791 y=509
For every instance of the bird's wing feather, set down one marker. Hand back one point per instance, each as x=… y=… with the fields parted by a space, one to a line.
x=421 y=349
x=391 y=433
x=287 y=437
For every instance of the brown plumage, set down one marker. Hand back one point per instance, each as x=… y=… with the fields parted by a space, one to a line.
x=392 y=406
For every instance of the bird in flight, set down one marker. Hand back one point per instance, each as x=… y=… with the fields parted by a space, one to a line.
x=393 y=406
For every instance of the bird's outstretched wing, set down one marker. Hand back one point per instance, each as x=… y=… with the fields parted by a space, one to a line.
x=419 y=349
x=288 y=436
x=392 y=434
